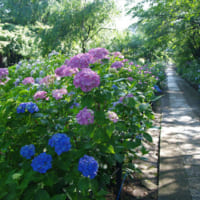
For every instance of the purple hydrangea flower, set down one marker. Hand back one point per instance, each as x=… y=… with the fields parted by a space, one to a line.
x=88 y=166
x=42 y=163
x=117 y=64
x=130 y=79
x=80 y=61
x=66 y=71
x=86 y=80
x=27 y=151
x=61 y=143
x=85 y=117
x=3 y=72
x=98 y=53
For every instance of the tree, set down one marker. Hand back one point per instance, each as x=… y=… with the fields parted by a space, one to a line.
x=170 y=24
x=75 y=22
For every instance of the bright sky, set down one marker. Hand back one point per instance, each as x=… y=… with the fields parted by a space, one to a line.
x=122 y=22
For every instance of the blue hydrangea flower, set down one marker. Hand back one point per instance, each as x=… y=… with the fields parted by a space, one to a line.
x=21 y=108
x=74 y=105
x=114 y=87
x=61 y=142
x=88 y=166
x=157 y=88
x=32 y=107
x=41 y=163
x=29 y=106
x=27 y=151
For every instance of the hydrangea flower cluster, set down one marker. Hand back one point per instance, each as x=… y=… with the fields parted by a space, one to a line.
x=157 y=88
x=80 y=61
x=29 y=106
x=85 y=117
x=64 y=70
x=61 y=143
x=58 y=94
x=3 y=73
x=42 y=163
x=47 y=80
x=98 y=53
x=86 y=79
x=117 y=64
x=28 y=80
x=130 y=79
x=88 y=166
x=40 y=95
x=27 y=151
x=117 y=54
x=112 y=116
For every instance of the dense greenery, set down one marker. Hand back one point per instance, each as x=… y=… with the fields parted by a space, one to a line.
x=169 y=28
x=69 y=26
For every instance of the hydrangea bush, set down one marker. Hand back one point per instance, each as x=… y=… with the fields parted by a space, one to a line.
x=64 y=130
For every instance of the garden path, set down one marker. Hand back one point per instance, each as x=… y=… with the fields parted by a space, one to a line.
x=179 y=177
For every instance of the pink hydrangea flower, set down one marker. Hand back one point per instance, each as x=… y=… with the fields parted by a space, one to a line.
x=80 y=61
x=86 y=80
x=47 y=80
x=85 y=117
x=117 y=64
x=28 y=80
x=3 y=73
x=66 y=71
x=117 y=53
x=131 y=63
x=125 y=60
x=130 y=79
x=112 y=116
x=40 y=95
x=98 y=53
x=58 y=94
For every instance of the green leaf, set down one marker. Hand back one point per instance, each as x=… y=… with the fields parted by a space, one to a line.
x=118 y=80
x=41 y=195
x=147 y=137
x=59 y=197
x=110 y=149
x=143 y=106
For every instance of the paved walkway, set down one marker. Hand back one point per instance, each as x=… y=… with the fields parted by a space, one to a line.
x=179 y=177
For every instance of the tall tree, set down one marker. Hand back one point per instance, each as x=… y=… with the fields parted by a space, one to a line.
x=76 y=21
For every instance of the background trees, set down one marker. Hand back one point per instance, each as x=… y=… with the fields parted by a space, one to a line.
x=169 y=25
x=33 y=28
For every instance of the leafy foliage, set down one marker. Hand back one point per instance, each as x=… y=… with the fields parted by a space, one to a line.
x=108 y=140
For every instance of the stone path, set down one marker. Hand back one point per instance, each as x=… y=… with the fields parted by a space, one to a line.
x=179 y=177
